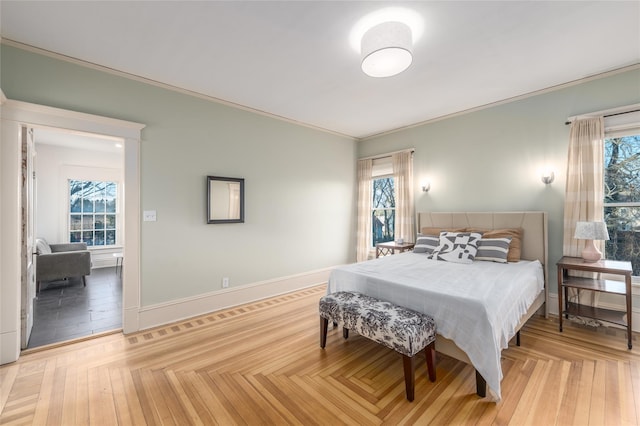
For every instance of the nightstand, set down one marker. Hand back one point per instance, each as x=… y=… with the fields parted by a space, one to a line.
x=612 y=267
x=384 y=249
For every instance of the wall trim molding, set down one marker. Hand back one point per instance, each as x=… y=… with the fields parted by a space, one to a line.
x=113 y=71
x=180 y=309
x=507 y=100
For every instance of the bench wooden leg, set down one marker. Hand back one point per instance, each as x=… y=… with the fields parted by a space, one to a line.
x=324 y=324
x=409 y=375
x=430 y=354
x=518 y=338
x=481 y=385
x=345 y=333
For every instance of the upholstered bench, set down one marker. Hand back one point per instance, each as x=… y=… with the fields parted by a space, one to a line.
x=403 y=330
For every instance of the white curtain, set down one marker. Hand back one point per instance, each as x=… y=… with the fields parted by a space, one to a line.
x=363 y=233
x=403 y=183
x=584 y=193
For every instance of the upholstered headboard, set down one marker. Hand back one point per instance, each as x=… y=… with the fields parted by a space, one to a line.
x=534 y=225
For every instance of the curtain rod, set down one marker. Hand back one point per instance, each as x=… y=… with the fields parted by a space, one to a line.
x=388 y=154
x=571 y=119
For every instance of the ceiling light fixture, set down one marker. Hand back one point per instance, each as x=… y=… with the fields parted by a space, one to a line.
x=385 y=39
x=386 y=49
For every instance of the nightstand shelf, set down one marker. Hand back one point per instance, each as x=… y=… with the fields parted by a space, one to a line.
x=608 y=315
x=391 y=247
x=610 y=267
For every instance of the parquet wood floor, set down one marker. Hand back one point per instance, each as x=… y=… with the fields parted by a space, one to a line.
x=261 y=364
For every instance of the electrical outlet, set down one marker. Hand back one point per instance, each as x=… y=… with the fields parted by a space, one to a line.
x=225 y=282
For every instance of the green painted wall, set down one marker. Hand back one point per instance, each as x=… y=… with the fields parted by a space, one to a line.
x=491 y=159
x=299 y=182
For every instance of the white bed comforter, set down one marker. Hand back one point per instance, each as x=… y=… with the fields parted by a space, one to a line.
x=477 y=305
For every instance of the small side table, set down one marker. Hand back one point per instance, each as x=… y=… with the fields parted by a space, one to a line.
x=119 y=261
x=384 y=249
x=612 y=267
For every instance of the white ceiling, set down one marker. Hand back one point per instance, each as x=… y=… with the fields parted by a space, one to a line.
x=293 y=58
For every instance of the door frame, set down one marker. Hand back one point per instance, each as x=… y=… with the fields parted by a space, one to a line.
x=13 y=115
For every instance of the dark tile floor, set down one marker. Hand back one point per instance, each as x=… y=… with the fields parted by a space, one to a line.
x=66 y=309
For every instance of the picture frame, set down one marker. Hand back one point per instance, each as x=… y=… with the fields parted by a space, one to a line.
x=225 y=200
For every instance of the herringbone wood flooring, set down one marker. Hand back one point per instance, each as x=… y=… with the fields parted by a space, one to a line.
x=261 y=364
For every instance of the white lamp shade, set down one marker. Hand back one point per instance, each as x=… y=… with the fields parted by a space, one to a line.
x=386 y=49
x=591 y=231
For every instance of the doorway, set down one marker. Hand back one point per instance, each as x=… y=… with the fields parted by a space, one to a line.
x=78 y=182
x=13 y=116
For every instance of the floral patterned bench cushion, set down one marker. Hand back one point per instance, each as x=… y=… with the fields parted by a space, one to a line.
x=398 y=328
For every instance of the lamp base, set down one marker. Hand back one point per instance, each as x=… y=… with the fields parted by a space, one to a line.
x=590 y=253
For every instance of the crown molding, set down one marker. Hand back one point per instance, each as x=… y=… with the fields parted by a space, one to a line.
x=113 y=71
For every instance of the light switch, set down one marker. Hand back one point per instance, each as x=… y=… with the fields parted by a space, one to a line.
x=149 y=216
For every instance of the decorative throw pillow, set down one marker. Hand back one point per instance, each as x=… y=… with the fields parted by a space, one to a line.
x=493 y=249
x=426 y=243
x=458 y=247
x=516 y=234
x=436 y=230
x=42 y=247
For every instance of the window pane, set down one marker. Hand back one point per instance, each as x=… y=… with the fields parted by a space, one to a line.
x=75 y=223
x=111 y=221
x=99 y=197
x=100 y=205
x=87 y=221
x=110 y=197
x=383 y=225
x=99 y=221
x=87 y=237
x=383 y=193
x=99 y=238
x=111 y=237
x=87 y=205
x=75 y=237
x=75 y=196
x=622 y=169
x=623 y=225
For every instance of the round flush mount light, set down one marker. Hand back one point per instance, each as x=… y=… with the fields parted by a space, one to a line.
x=386 y=49
x=385 y=39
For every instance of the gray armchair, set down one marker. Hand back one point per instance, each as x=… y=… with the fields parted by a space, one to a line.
x=58 y=261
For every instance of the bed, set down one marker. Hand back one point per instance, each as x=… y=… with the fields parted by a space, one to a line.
x=478 y=307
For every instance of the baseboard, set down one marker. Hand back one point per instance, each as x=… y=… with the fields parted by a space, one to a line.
x=635 y=313
x=177 y=310
x=9 y=350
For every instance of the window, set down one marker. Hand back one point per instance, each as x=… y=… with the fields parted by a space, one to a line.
x=383 y=210
x=622 y=198
x=92 y=212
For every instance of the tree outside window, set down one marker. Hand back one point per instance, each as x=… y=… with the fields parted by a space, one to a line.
x=384 y=210
x=92 y=212
x=622 y=199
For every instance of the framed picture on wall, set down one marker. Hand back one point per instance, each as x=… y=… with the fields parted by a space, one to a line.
x=225 y=200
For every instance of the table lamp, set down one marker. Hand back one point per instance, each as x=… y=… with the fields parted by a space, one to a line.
x=591 y=231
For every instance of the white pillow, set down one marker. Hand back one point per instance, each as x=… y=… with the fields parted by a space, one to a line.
x=42 y=247
x=458 y=247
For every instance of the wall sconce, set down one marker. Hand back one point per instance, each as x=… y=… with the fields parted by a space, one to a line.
x=426 y=186
x=547 y=176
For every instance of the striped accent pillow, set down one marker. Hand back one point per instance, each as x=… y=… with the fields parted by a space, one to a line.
x=493 y=249
x=426 y=243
